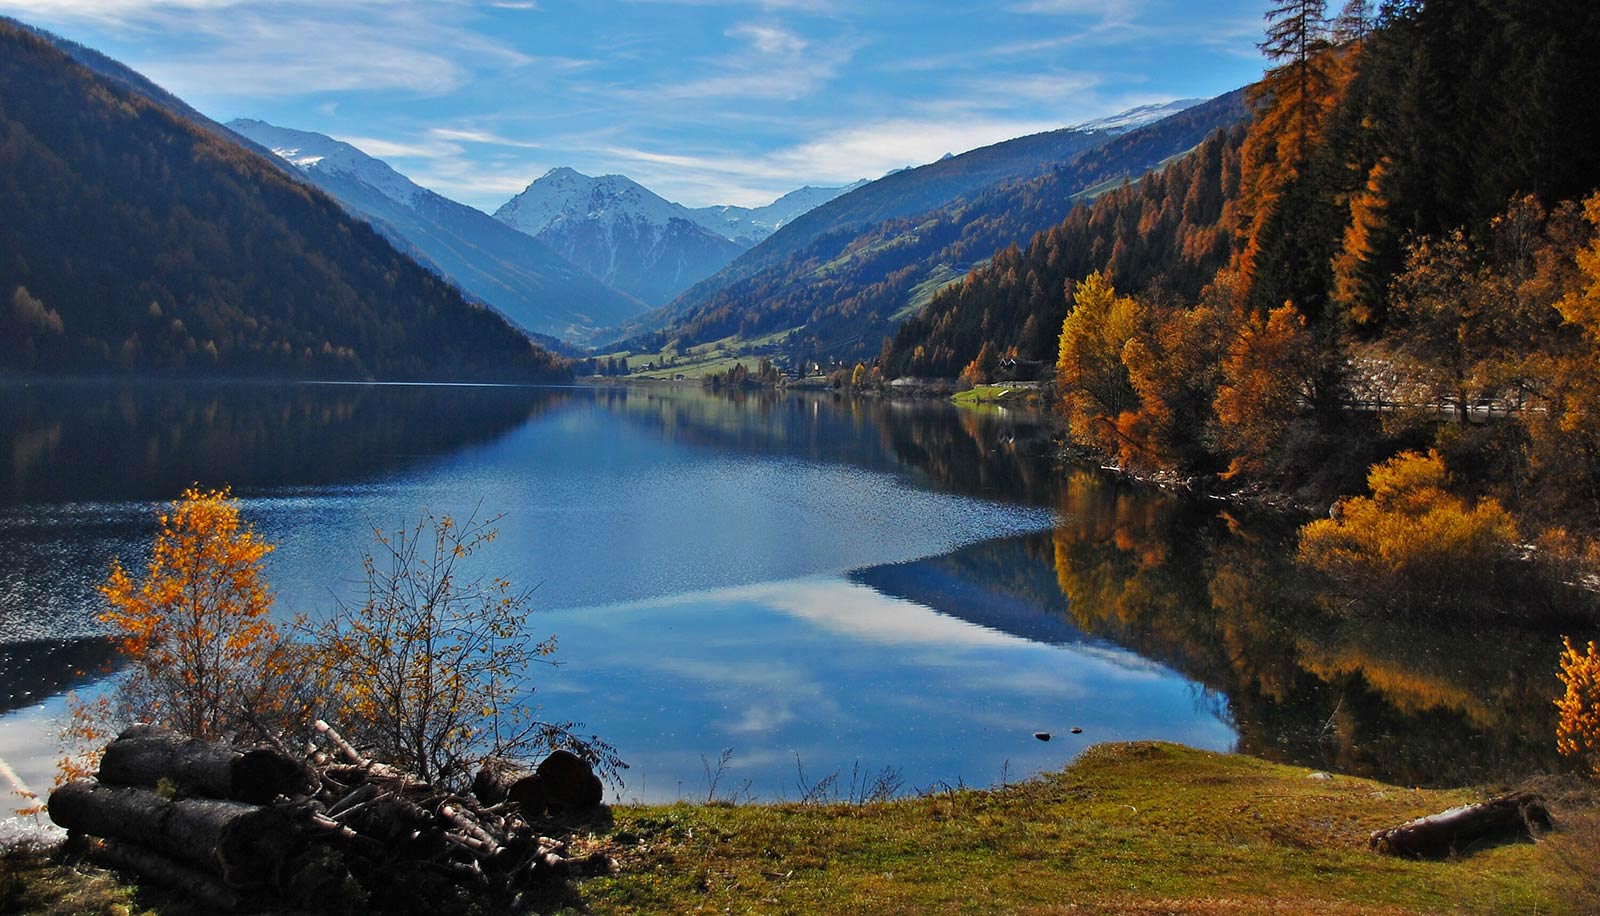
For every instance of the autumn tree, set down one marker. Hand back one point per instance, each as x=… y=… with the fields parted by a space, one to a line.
x=1578 y=729
x=1094 y=383
x=432 y=669
x=1267 y=379
x=1173 y=365
x=1567 y=433
x=203 y=654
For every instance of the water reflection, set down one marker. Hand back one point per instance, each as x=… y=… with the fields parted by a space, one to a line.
x=905 y=584
x=91 y=442
x=1217 y=598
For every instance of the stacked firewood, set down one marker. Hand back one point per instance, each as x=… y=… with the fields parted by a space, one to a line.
x=334 y=832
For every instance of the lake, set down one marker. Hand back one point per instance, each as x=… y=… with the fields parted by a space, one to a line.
x=810 y=584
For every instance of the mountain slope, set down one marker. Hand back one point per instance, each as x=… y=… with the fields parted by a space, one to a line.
x=902 y=194
x=524 y=279
x=849 y=288
x=136 y=241
x=619 y=231
x=751 y=225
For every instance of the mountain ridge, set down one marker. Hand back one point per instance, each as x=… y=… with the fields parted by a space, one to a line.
x=515 y=273
x=139 y=241
x=900 y=194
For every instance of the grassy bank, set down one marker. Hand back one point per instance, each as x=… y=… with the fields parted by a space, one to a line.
x=1133 y=828
x=1141 y=828
x=998 y=394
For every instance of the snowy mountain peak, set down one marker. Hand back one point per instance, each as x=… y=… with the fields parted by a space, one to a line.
x=1125 y=121
x=309 y=151
x=565 y=194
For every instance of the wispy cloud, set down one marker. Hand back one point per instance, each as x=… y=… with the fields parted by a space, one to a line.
x=259 y=48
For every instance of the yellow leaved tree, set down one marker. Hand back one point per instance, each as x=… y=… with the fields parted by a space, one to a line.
x=200 y=652
x=1412 y=542
x=203 y=654
x=1578 y=731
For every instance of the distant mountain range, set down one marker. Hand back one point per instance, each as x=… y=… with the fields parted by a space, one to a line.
x=751 y=225
x=528 y=282
x=637 y=241
x=138 y=240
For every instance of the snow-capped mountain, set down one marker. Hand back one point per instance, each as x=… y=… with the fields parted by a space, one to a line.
x=749 y=225
x=1134 y=118
x=523 y=278
x=621 y=232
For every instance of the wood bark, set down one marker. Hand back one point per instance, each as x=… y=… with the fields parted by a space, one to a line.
x=1439 y=835
x=168 y=872
x=145 y=754
x=492 y=784
x=242 y=844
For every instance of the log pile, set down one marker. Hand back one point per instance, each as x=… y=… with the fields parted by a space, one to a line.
x=336 y=832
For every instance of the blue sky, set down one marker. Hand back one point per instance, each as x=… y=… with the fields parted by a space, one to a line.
x=703 y=101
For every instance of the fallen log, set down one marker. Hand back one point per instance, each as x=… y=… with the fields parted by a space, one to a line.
x=167 y=872
x=242 y=844
x=1439 y=835
x=143 y=755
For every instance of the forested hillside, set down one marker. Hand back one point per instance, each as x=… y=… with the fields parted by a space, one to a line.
x=848 y=288
x=1396 y=253
x=136 y=241
x=897 y=195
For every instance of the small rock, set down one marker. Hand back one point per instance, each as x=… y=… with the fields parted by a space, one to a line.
x=1319 y=775
x=1076 y=730
x=1042 y=736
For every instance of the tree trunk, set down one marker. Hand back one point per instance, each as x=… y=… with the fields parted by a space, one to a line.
x=145 y=754
x=243 y=844
x=1450 y=831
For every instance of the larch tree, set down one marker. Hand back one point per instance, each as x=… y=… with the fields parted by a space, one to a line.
x=204 y=655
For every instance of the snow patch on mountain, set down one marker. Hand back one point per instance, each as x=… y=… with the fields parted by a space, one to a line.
x=749 y=225
x=308 y=151
x=1133 y=118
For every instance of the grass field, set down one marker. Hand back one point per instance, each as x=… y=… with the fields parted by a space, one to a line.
x=1140 y=828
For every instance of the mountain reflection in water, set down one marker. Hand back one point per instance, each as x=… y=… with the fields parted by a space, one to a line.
x=801 y=575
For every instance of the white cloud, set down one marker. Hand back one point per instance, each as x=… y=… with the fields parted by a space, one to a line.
x=769 y=39
x=257 y=48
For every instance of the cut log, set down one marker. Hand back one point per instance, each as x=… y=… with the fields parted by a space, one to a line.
x=569 y=783
x=159 y=869
x=1439 y=835
x=144 y=755
x=243 y=844
x=492 y=784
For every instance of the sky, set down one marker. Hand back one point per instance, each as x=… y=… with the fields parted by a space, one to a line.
x=703 y=101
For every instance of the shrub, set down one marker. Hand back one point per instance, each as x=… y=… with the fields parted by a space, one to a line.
x=1578 y=730
x=1412 y=543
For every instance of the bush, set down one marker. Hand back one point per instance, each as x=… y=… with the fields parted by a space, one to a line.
x=431 y=671
x=1412 y=543
x=1578 y=730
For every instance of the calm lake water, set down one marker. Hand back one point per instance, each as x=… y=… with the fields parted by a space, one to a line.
x=821 y=585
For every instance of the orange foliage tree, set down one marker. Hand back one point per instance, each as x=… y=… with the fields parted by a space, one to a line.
x=1095 y=388
x=1267 y=377
x=204 y=656
x=1578 y=731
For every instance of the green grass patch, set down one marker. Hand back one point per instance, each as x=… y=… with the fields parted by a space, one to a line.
x=996 y=394
x=1132 y=828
